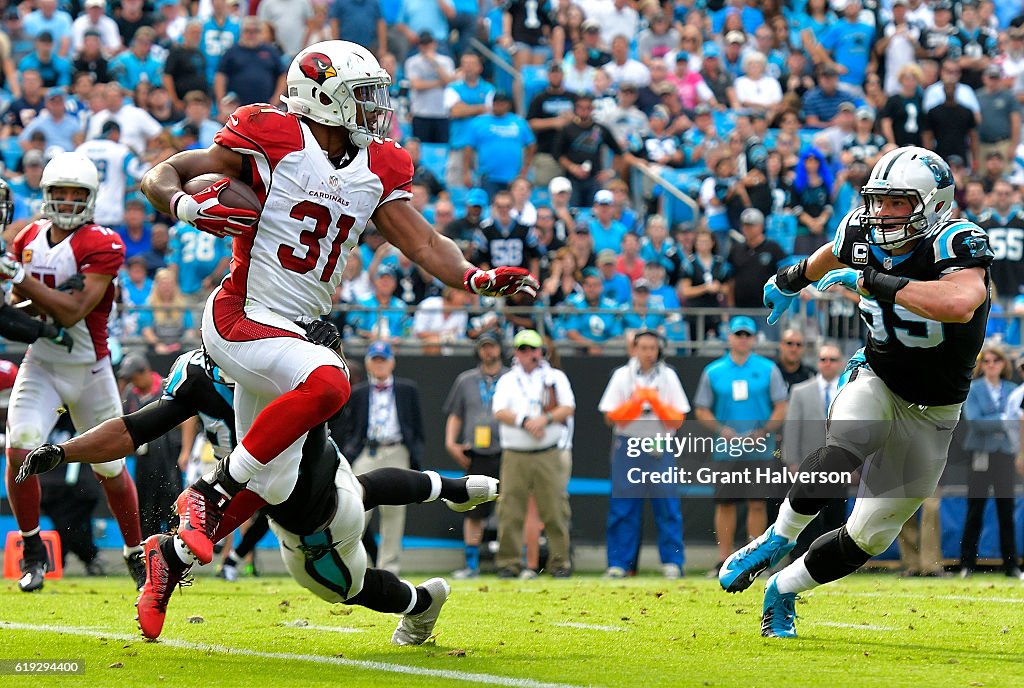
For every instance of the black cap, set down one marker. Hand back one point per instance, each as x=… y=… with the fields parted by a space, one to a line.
x=426 y=37
x=44 y=36
x=487 y=338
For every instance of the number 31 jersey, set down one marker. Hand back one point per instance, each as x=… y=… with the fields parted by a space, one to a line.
x=924 y=361
x=313 y=212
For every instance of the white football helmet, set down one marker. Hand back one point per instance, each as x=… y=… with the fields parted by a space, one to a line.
x=70 y=169
x=6 y=206
x=341 y=84
x=915 y=173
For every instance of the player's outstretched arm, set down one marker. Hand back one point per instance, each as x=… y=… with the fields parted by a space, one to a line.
x=165 y=179
x=119 y=437
x=954 y=298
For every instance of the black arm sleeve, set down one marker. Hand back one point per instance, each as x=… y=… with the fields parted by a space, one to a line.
x=156 y=420
x=19 y=326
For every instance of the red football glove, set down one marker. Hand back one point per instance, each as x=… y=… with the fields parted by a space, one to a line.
x=204 y=211
x=501 y=282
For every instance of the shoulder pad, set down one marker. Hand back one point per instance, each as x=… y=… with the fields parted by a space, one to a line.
x=961 y=243
x=180 y=372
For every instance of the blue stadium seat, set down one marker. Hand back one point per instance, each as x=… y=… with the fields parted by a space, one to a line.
x=540 y=197
x=11 y=152
x=535 y=80
x=434 y=156
x=457 y=195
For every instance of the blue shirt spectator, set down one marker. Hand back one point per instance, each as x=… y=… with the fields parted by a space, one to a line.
x=607 y=232
x=55 y=123
x=617 y=286
x=137 y=64
x=470 y=90
x=504 y=145
x=425 y=15
x=218 y=36
x=592 y=328
x=384 y=317
x=356 y=21
x=54 y=69
x=49 y=19
x=822 y=103
x=197 y=255
x=849 y=43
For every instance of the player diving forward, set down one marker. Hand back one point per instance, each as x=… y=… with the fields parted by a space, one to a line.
x=319 y=526
x=57 y=249
x=924 y=287
x=322 y=170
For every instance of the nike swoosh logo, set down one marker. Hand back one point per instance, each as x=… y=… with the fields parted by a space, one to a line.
x=98 y=370
x=233 y=121
x=116 y=246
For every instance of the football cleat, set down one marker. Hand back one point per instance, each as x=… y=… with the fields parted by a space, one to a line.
x=162 y=576
x=481 y=488
x=414 y=629
x=33 y=564
x=137 y=568
x=778 y=612
x=466 y=574
x=200 y=507
x=745 y=564
x=229 y=573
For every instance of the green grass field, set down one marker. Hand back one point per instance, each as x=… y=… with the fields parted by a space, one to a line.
x=868 y=630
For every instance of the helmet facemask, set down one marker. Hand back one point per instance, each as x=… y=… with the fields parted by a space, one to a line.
x=56 y=211
x=892 y=231
x=372 y=111
x=6 y=206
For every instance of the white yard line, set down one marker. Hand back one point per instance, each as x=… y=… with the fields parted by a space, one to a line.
x=862 y=627
x=589 y=627
x=303 y=626
x=912 y=596
x=488 y=679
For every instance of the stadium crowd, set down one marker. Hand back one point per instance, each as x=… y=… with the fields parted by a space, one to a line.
x=766 y=115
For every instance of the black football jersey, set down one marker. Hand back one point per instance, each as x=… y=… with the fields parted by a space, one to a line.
x=514 y=247
x=924 y=361
x=1006 y=237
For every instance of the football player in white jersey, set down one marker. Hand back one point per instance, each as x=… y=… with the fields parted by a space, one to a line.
x=923 y=281
x=321 y=171
x=64 y=244
x=118 y=169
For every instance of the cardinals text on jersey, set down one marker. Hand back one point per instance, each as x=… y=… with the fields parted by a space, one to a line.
x=924 y=361
x=313 y=212
x=90 y=249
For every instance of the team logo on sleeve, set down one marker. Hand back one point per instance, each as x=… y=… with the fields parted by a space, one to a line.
x=317 y=67
x=26 y=256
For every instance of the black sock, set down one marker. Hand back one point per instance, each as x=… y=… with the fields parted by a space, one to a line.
x=33 y=549
x=423 y=600
x=383 y=592
x=176 y=565
x=231 y=561
x=833 y=556
x=404 y=486
x=810 y=498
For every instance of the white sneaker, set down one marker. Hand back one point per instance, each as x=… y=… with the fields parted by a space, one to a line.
x=414 y=629
x=671 y=571
x=229 y=573
x=481 y=488
x=615 y=572
x=465 y=574
x=527 y=574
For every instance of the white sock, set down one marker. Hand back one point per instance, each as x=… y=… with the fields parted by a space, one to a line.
x=789 y=523
x=435 y=485
x=29 y=533
x=415 y=597
x=183 y=552
x=242 y=466
x=795 y=578
x=128 y=551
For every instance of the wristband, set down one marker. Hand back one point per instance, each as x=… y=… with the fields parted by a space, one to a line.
x=792 y=279
x=882 y=286
x=521 y=420
x=551 y=418
x=188 y=212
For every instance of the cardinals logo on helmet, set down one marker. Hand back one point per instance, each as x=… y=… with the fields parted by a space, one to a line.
x=317 y=67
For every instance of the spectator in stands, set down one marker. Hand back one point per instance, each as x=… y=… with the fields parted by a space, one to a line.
x=657 y=40
x=863 y=145
x=94 y=18
x=121 y=169
x=551 y=235
x=526 y=33
x=582 y=245
x=360 y=21
x=220 y=32
x=51 y=21
x=579 y=73
x=690 y=86
x=605 y=230
x=719 y=80
x=56 y=125
x=501 y=240
x=703 y=285
x=383 y=314
x=741 y=394
x=499 y=147
x=624 y=119
x=159 y=241
x=846 y=46
x=992 y=459
x=657 y=245
x=549 y=111
x=160 y=107
x=291 y=21
x=718 y=191
x=898 y=45
x=429 y=73
x=999 y=129
x=581 y=148
x=197 y=113
x=137 y=64
x=419 y=17
x=441 y=319
x=421 y=174
x=978 y=44
x=949 y=77
x=559 y=195
x=136 y=287
x=199 y=260
x=444 y=215
x=628 y=262
x=252 y=68
x=640 y=313
x=465 y=228
x=821 y=104
x=902 y=119
x=28 y=196
x=597 y=54
x=622 y=68
x=975 y=203
x=563 y=281
x=616 y=285
x=185 y=68
x=752 y=262
x=663 y=292
x=523 y=209
x=756 y=89
x=994 y=170
x=1012 y=62
x=136 y=229
x=89 y=58
x=1004 y=221
x=951 y=128
x=812 y=193
x=52 y=68
x=167 y=321
x=467 y=100
x=137 y=125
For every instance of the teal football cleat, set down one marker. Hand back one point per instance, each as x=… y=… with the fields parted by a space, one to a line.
x=778 y=613
x=745 y=564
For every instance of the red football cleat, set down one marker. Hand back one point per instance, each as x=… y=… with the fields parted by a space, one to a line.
x=161 y=578
x=200 y=508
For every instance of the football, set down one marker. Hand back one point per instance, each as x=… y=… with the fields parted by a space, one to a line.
x=238 y=194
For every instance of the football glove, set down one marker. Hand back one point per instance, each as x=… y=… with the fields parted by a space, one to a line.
x=205 y=212
x=847 y=278
x=40 y=460
x=502 y=281
x=57 y=335
x=74 y=283
x=11 y=269
x=322 y=333
x=777 y=298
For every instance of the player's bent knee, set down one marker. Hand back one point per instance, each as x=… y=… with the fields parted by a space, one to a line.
x=331 y=386
x=876 y=541
x=23 y=439
x=108 y=469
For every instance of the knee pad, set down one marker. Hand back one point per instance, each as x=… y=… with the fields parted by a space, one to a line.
x=835 y=555
x=874 y=540
x=809 y=498
x=108 y=469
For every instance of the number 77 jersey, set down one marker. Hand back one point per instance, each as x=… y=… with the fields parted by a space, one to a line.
x=313 y=212
x=924 y=361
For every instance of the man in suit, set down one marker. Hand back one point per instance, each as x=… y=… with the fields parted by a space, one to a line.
x=804 y=431
x=382 y=426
